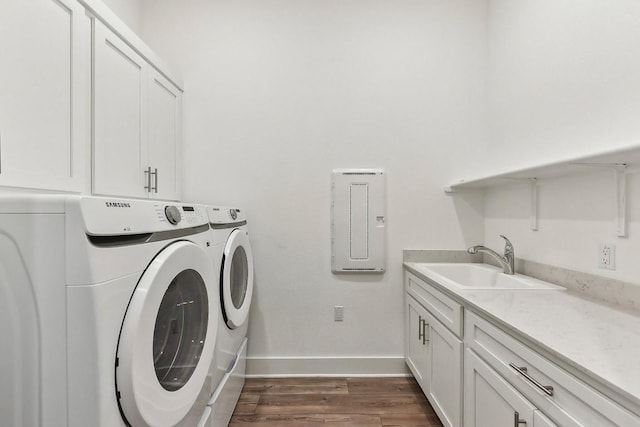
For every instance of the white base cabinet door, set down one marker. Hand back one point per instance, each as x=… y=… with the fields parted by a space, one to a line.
x=434 y=356
x=45 y=83
x=445 y=386
x=490 y=401
x=415 y=343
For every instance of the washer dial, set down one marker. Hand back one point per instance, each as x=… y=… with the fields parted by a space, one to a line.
x=173 y=214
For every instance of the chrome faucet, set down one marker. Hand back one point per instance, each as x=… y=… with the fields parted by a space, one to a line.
x=507 y=261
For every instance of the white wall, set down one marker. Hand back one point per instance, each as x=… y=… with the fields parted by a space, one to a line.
x=130 y=11
x=564 y=78
x=279 y=93
x=565 y=81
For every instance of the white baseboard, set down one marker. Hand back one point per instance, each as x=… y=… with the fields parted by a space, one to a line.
x=260 y=367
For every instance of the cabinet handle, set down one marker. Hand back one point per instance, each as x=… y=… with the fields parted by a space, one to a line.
x=155 y=180
x=147 y=175
x=522 y=370
x=420 y=328
x=517 y=421
x=425 y=329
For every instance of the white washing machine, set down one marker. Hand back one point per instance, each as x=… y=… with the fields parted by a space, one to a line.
x=233 y=260
x=107 y=311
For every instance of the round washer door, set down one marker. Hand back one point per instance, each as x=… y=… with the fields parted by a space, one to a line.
x=237 y=279
x=167 y=337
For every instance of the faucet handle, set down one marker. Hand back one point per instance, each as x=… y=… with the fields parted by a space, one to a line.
x=508 y=246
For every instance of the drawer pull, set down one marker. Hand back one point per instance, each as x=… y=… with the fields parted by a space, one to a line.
x=420 y=328
x=522 y=370
x=517 y=421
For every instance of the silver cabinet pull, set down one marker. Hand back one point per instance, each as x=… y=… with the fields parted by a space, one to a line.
x=522 y=370
x=425 y=330
x=147 y=175
x=420 y=328
x=517 y=421
x=155 y=180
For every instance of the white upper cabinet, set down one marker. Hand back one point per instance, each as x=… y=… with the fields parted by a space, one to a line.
x=85 y=105
x=45 y=87
x=137 y=115
x=164 y=136
x=120 y=83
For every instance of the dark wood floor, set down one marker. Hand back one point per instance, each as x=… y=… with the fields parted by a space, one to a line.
x=334 y=401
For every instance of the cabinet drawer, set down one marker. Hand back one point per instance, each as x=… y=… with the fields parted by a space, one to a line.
x=569 y=401
x=443 y=308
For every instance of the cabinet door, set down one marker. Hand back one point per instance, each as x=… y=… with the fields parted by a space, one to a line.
x=415 y=342
x=119 y=140
x=45 y=87
x=489 y=400
x=164 y=136
x=445 y=372
x=539 y=420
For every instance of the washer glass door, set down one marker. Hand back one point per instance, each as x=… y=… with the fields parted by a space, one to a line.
x=237 y=279
x=167 y=338
x=180 y=329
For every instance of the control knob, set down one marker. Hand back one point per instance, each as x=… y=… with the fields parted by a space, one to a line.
x=173 y=214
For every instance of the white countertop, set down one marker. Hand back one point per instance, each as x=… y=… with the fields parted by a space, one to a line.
x=599 y=340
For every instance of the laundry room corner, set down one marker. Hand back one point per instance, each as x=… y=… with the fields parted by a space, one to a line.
x=271 y=109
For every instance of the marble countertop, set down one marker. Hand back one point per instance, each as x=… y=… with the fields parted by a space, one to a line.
x=600 y=341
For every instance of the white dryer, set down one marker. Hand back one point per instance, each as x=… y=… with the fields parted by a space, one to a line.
x=233 y=260
x=107 y=311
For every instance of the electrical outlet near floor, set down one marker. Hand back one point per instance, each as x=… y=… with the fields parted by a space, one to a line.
x=338 y=313
x=607 y=256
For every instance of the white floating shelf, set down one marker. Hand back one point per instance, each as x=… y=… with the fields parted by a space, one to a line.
x=572 y=166
x=621 y=161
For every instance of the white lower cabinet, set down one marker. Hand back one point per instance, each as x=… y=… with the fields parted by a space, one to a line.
x=490 y=401
x=416 y=349
x=434 y=355
x=445 y=386
x=506 y=382
x=561 y=396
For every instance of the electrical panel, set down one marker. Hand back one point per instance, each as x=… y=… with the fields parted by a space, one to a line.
x=358 y=221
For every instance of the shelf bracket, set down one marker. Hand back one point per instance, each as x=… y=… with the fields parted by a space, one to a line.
x=620 y=174
x=533 y=187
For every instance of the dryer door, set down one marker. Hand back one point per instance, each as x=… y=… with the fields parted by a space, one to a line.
x=167 y=337
x=236 y=279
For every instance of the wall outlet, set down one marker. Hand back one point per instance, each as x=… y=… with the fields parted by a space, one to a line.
x=338 y=313
x=607 y=256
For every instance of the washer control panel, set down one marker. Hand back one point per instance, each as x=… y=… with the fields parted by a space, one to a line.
x=225 y=215
x=182 y=215
x=194 y=214
x=106 y=216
